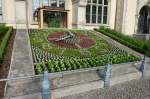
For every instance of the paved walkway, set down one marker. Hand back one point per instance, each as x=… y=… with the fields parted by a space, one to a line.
x=136 y=89
x=21 y=62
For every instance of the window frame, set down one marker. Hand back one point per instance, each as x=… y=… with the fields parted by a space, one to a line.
x=102 y=12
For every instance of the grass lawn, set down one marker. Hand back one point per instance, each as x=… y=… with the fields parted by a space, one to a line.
x=53 y=48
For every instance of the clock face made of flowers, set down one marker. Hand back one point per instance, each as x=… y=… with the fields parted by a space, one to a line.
x=71 y=40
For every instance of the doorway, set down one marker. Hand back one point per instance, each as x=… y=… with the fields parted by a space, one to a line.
x=144 y=21
x=20 y=14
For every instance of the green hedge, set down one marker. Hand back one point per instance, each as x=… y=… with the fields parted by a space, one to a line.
x=3 y=29
x=134 y=43
x=4 y=42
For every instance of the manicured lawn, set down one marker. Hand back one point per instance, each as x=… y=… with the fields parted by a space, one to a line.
x=54 y=49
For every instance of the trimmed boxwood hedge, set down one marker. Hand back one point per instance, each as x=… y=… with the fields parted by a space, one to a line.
x=4 y=42
x=134 y=43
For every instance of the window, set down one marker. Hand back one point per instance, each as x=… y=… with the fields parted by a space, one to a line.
x=88 y=9
x=105 y=15
x=89 y=1
x=51 y=3
x=36 y=5
x=62 y=4
x=93 y=14
x=45 y=2
x=97 y=11
x=99 y=14
x=100 y=1
x=94 y=1
x=1 y=11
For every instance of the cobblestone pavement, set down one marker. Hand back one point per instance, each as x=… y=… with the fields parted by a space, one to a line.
x=136 y=89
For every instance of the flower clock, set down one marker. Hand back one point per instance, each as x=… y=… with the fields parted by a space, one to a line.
x=71 y=40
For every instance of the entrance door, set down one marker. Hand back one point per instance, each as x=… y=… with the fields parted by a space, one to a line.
x=20 y=14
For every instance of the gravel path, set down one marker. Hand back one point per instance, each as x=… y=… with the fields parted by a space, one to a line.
x=137 y=89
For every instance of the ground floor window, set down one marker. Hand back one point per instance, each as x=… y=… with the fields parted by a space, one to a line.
x=97 y=12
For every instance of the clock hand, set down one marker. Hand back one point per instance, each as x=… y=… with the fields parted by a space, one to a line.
x=69 y=35
x=60 y=39
x=77 y=45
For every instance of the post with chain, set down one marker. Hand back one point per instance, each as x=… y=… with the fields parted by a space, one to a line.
x=46 y=88
x=143 y=67
x=106 y=75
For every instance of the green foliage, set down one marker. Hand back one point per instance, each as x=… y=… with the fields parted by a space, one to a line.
x=54 y=23
x=65 y=65
x=4 y=42
x=39 y=38
x=51 y=22
x=60 y=59
x=134 y=43
x=3 y=29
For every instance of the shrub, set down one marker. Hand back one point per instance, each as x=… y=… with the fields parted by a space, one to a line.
x=73 y=64
x=4 y=43
x=134 y=43
x=3 y=29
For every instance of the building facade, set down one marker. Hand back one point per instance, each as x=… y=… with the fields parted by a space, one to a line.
x=127 y=16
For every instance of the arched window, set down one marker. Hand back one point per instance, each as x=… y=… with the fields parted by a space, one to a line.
x=144 y=20
x=96 y=11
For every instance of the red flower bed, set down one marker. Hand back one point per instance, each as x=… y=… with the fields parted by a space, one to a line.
x=85 y=41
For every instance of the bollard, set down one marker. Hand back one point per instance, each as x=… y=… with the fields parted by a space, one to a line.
x=46 y=92
x=143 y=67
x=107 y=75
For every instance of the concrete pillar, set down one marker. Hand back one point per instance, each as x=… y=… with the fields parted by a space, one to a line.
x=68 y=6
x=81 y=13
